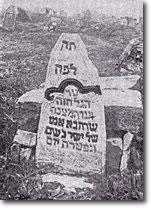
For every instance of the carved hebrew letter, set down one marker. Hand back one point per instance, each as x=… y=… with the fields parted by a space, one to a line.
x=51 y=119
x=58 y=111
x=52 y=110
x=71 y=134
x=70 y=113
x=77 y=136
x=76 y=101
x=63 y=136
x=48 y=130
x=94 y=138
x=64 y=112
x=81 y=136
x=58 y=69
x=91 y=148
x=73 y=68
x=49 y=140
x=68 y=91
x=82 y=114
x=74 y=125
x=61 y=122
x=65 y=70
x=85 y=147
x=81 y=125
x=91 y=115
x=93 y=126
x=86 y=115
x=64 y=42
x=64 y=144
x=88 y=103
x=67 y=102
x=89 y=136
x=82 y=104
x=74 y=92
x=79 y=146
x=56 y=141
x=76 y=114
x=58 y=100
x=72 y=144
x=56 y=132
x=86 y=125
x=55 y=121
x=69 y=124
x=72 y=44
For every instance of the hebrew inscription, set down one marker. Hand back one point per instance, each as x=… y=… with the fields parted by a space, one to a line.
x=74 y=125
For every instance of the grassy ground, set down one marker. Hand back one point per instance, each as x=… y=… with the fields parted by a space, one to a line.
x=24 y=182
x=25 y=55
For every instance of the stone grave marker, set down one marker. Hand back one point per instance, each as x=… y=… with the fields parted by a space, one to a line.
x=71 y=131
x=9 y=19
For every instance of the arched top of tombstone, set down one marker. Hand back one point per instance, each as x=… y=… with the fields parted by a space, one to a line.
x=69 y=60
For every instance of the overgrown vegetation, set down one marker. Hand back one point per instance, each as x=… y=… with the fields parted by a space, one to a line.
x=25 y=55
x=24 y=182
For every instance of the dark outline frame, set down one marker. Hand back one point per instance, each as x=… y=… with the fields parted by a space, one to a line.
x=82 y=89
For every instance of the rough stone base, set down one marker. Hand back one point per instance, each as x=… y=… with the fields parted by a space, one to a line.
x=70 y=182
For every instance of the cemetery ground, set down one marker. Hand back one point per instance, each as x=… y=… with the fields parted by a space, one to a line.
x=24 y=57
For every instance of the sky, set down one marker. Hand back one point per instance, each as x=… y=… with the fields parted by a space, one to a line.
x=109 y=7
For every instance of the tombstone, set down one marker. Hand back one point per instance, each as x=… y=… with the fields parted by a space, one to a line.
x=9 y=19
x=23 y=16
x=120 y=115
x=71 y=132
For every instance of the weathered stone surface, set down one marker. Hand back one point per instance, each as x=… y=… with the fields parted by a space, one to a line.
x=115 y=160
x=33 y=96
x=114 y=113
x=126 y=98
x=27 y=116
x=9 y=18
x=127 y=139
x=118 y=153
x=25 y=154
x=72 y=130
x=124 y=118
x=24 y=144
x=25 y=138
x=116 y=118
x=112 y=96
x=70 y=182
x=120 y=113
x=74 y=141
x=131 y=60
x=123 y=82
x=113 y=155
x=69 y=59
x=22 y=150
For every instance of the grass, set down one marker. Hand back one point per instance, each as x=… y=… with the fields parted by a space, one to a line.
x=26 y=55
x=24 y=182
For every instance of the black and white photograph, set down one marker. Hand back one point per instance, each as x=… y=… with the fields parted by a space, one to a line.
x=71 y=100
